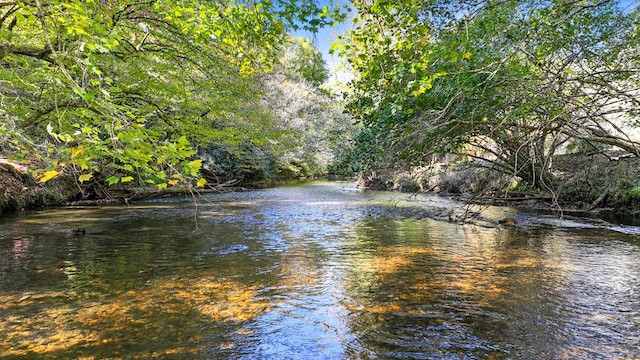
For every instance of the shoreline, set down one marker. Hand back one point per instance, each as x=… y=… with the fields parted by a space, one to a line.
x=20 y=191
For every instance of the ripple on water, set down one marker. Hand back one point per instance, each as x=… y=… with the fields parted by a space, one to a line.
x=314 y=272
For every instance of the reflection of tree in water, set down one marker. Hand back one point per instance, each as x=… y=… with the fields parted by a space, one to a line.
x=21 y=248
x=168 y=316
x=14 y=256
x=127 y=288
x=318 y=279
x=432 y=287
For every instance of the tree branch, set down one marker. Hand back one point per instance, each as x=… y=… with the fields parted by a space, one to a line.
x=38 y=53
x=46 y=110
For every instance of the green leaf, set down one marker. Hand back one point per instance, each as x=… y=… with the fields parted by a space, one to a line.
x=195 y=165
x=113 y=180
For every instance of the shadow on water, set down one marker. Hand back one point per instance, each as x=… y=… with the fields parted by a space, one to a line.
x=320 y=270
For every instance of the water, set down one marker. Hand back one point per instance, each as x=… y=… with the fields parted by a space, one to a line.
x=315 y=271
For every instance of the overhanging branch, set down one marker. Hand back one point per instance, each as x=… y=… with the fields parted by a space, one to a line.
x=628 y=145
x=34 y=52
x=48 y=109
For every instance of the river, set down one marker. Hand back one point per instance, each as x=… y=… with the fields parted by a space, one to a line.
x=319 y=270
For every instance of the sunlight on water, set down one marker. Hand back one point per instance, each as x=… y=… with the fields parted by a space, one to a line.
x=320 y=271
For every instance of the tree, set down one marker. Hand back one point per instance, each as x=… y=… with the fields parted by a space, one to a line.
x=312 y=120
x=518 y=80
x=313 y=123
x=300 y=60
x=117 y=91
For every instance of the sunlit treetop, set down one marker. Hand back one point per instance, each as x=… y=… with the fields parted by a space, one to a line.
x=115 y=87
x=527 y=77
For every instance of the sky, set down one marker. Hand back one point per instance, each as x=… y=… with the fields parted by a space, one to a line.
x=323 y=40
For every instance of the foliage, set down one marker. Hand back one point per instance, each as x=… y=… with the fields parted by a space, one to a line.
x=314 y=126
x=508 y=83
x=315 y=121
x=301 y=61
x=235 y=163
x=121 y=91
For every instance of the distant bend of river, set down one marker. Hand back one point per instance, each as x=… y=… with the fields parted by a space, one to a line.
x=319 y=270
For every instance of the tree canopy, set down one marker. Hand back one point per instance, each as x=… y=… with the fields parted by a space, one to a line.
x=516 y=80
x=301 y=61
x=116 y=91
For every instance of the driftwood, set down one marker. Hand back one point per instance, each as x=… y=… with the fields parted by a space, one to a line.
x=492 y=200
x=16 y=170
x=599 y=200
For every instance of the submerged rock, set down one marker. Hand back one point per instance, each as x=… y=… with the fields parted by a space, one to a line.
x=77 y=232
x=508 y=221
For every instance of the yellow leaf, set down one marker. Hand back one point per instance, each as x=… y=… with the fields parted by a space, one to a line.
x=125 y=179
x=173 y=182
x=422 y=89
x=202 y=182
x=466 y=55
x=48 y=175
x=84 y=177
x=77 y=151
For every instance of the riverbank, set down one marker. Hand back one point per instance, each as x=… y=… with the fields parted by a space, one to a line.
x=19 y=190
x=596 y=185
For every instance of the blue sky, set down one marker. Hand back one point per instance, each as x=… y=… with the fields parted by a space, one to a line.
x=325 y=37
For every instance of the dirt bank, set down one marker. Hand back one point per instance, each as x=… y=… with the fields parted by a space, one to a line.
x=19 y=190
x=606 y=184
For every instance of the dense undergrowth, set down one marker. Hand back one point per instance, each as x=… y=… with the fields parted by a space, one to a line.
x=590 y=183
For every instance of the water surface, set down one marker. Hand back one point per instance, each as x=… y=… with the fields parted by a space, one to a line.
x=315 y=271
